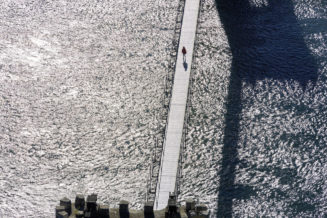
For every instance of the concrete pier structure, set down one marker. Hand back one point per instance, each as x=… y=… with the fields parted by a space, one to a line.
x=92 y=209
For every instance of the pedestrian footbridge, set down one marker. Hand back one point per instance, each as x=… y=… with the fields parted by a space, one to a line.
x=168 y=172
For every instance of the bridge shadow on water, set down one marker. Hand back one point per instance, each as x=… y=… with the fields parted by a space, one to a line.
x=266 y=42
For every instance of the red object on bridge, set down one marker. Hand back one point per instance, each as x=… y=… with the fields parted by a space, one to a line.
x=184 y=50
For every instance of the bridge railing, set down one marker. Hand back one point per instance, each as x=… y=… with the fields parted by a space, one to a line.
x=168 y=88
x=153 y=183
x=179 y=176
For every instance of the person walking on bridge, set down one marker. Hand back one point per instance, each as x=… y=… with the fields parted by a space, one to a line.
x=184 y=54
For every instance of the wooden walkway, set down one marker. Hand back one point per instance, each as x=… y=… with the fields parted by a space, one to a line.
x=172 y=143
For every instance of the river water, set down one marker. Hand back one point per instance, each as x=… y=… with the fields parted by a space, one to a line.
x=82 y=82
x=257 y=132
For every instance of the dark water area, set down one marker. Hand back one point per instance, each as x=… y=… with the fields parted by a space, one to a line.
x=267 y=154
x=266 y=42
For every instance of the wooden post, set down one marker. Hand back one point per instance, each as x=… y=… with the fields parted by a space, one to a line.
x=103 y=211
x=79 y=202
x=123 y=209
x=148 y=209
x=67 y=204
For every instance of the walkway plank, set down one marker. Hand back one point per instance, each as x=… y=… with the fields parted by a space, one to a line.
x=169 y=164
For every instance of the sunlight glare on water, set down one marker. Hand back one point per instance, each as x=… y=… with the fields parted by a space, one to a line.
x=81 y=82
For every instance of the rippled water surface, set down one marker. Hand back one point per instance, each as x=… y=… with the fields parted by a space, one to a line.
x=81 y=82
x=257 y=136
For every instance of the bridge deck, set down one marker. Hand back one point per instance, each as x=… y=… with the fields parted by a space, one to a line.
x=169 y=164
